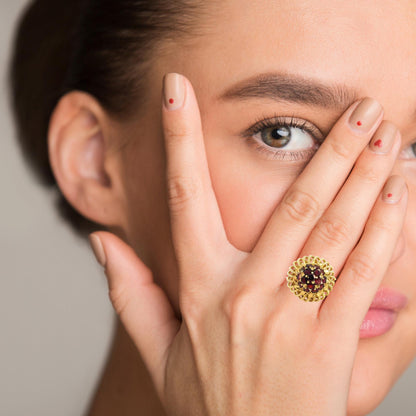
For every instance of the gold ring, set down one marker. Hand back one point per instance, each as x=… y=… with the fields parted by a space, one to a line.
x=310 y=278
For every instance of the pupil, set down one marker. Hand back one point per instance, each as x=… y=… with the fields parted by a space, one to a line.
x=279 y=137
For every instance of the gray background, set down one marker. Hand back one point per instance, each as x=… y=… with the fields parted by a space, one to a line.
x=56 y=320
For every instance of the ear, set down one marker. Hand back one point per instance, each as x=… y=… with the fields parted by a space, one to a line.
x=84 y=167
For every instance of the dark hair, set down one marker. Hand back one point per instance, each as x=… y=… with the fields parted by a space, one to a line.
x=103 y=47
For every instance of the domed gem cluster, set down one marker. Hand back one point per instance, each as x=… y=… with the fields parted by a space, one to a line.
x=311 y=278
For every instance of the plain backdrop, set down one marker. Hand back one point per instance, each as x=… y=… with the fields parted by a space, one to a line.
x=56 y=320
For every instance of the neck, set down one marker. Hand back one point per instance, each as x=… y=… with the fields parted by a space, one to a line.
x=125 y=387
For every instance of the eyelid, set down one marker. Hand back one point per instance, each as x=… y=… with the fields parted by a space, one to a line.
x=402 y=155
x=281 y=155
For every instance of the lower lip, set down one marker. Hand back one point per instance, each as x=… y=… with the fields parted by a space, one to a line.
x=377 y=322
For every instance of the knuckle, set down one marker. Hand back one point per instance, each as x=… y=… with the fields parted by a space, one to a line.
x=192 y=313
x=177 y=133
x=301 y=206
x=182 y=190
x=367 y=173
x=237 y=305
x=119 y=298
x=246 y=310
x=340 y=148
x=333 y=231
x=382 y=225
x=362 y=268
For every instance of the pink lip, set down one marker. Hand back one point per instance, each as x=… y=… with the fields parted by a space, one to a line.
x=382 y=313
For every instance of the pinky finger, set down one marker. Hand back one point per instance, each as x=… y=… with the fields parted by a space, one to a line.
x=366 y=266
x=142 y=306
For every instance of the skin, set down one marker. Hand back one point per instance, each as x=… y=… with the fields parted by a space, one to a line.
x=114 y=173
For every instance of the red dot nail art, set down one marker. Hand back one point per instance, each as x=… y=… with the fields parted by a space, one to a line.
x=359 y=123
x=171 y=100
x=389 y=195
x=378 y=143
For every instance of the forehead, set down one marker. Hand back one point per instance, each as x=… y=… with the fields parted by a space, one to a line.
x=369 y=45
x=345 y=32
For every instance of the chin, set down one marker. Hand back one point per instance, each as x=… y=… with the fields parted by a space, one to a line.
x=372 y=376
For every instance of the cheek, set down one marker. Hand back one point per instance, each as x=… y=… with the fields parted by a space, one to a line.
x=247 y=194
x=405 y=264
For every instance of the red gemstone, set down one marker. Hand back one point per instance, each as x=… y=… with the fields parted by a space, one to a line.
x=171 y=100
x=359 y=123
x=311 y=278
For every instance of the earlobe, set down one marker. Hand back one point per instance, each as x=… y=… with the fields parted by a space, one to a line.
x=78 y=157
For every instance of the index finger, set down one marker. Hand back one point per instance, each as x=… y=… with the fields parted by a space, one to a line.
x=197 y=230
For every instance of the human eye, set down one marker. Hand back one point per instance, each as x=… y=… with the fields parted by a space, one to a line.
x=408 y=152
x=284 y=138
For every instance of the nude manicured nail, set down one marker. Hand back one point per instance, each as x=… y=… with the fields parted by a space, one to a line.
x=383 y=138
x=97 y=248
x=393 y=189
x=173 y=91
x=365 y=115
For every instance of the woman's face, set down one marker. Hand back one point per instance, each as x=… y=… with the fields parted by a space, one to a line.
x=366 y=48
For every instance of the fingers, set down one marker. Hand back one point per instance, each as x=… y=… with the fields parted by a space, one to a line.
x=197 y=229
x=314 y=190
x=142 y=306
x=362 y=274
x=339 y=229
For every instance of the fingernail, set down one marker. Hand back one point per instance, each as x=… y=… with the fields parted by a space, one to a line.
x=173 y=91
x=365 y=115
x=393 y=189
x=97 y=248
x=383 y=138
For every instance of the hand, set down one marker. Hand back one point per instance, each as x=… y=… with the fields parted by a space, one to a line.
x=246 y=345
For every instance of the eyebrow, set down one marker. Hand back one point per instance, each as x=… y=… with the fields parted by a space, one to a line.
x=284 y=87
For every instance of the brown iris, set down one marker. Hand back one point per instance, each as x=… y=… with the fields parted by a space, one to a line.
x=279 y=137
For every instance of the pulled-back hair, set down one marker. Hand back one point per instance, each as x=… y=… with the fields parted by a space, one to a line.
x=103 y=47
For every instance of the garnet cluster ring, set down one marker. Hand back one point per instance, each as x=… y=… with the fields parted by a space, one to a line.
x=311 y=278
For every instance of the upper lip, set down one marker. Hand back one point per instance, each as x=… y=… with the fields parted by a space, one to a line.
x=387 y=298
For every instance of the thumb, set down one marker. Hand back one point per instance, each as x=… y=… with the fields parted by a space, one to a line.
x=142 y=306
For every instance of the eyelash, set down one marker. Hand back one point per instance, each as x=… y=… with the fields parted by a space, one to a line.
x=279 y=121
